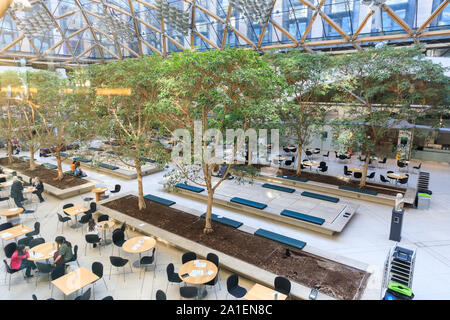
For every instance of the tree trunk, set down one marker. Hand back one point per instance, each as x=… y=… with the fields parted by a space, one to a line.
x=364 y=173
x=141 y=202
x=10 y=155
x=208 y=228
x=299 y=160
x=32 y=165
x=59 y=164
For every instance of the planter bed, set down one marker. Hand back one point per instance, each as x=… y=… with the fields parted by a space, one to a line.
x=66 y=188
x=333 y=185
x=275 y=212
x=260 y=259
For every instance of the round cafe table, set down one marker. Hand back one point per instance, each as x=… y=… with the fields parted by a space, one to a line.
x=139 y=245
x=100 y=191
x=103 y=226
x=12 y=213
x=44 y=251
x=198 y=272
x=397 y=176
x=310 y=164
x=355 y=170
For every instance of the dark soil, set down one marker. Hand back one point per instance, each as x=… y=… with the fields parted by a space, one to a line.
x=45 y=174
x=336 y=181
x=337 y=280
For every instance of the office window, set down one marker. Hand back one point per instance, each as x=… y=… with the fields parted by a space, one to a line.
x=295 y=18
x=344 y=13
x=444 y=17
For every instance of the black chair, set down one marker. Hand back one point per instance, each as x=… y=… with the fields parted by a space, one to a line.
x=403 y=181
x=160 y=295
x=85 y=296
x=5 y=199
x=357 y=175
x=103 y=217
x=9 y=249
x=172 y=276
x=288 y=163
x=57 y=272
x=323 y=169
x=346 y=172
x=10 y=272
x=118 y=262
x=326 y=155
x=92 y=239
x=418 y=167
x=74 y=256
x=87 y=200
x=124 y=228
x=37 y=230
x=117 y=188
x=118 y=238
x=282 y=285
x=43 y=269
x=343 y=157
x=62 y=220
x=92 y=208
x=214 y=259
x=371 y=176
x=286 y=150
x=5 y=226
x=84 y=220
x=108 y=298
x=25 y=241
x=383 y=179
x=188 y=256
x=97 y=269
x=308 y=153
x=36 y=242
x=383 y=161
x=67 y=205
x=33 y=296
x=322 y=164
x=401 y=164
x=233 y=287
x=146 y=261
x=188 y=292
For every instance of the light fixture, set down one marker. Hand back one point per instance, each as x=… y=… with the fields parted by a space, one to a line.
x=175 y=18
x=116 y=26
x=34 y=24
x=257 y=11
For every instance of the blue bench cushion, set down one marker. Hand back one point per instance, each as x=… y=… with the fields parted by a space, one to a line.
x=95 y=149
x=163 y=201
x=223 y=220
x=292 y=178
x=81 y=159
x=280 y=238
x=249 y=203
x=110 y=152
x=319 y=196
x=188 y=187
x=27 y=158
x=279 y=188
x=147 y=160
x=348 y=188
x=63 y=154
x=108 y=166
x=50 y=165
x=302 y=216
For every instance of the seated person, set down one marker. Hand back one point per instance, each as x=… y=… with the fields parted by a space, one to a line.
x=37 y=183
x=215 y=170
x=93 y=229
x=19 y=260
x=222 y=171
x=63 y=252
x=72 y=166
x=78 y=172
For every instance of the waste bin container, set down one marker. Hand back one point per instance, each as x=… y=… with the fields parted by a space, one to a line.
x=397 y=291
x=396 y=225
x=423 y=201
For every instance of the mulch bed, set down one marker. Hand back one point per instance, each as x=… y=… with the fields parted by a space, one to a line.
x=336 y=280
x=45 y=174
x=336 y=181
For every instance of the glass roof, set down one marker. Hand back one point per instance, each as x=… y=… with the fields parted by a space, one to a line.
x=89 y=31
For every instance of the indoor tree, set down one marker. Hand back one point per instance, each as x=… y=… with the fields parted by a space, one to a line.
x=217 y=89
x=387 y=87
x=127 y=92
x=305 y=78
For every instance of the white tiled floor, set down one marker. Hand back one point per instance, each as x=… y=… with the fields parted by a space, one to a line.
x=365 y=239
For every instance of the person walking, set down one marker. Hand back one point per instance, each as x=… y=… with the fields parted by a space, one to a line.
x=17 y=192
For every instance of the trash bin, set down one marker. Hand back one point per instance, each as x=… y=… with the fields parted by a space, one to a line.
x=396 y=225
x=423 y=201
x=397 y=291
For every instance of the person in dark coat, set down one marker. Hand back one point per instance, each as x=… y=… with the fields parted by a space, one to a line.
x=37 y=183
x=17 y=192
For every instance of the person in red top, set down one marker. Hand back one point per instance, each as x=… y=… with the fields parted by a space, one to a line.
x=19 y=260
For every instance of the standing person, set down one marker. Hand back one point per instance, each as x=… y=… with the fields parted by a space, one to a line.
x=37 y=183
x=19 y=260
x=63 y=252
x=93 y=229
x=17 y=192
x=15 y=144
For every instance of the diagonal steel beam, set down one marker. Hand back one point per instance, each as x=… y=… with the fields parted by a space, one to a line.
x=313 y=18
x=136 y=28
x=263 y=29
x=433 y=16
x=12 y=44
x=397 y=19
x=225 y=29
